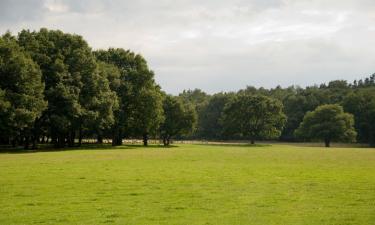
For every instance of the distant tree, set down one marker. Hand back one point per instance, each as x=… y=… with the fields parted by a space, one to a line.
x=179 y=118
x=149 y=113
x=21 y=92
x=209 y=125
x=197 y=97
x=254 y=117
x=199 y=100
x=362 y=105
x=328 y=123
x=296 y=104
x=336 y=91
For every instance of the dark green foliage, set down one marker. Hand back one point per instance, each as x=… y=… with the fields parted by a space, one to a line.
x=140 y=110
x=21 y=92
x=254 y=117
x=54 y=88
x=362 y=105
x=209 y=124
x=69 y=70
x=296 y=104
x=327 y=123
x=179 y=118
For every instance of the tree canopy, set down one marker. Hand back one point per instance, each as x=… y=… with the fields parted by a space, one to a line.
x=21 y=91
x=179 y=118
x=54 y=88
x=254 y=117
x=327 y=123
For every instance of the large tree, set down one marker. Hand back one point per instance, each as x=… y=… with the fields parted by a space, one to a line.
x=140 y=110
x=328 y=123
x=254 y=117
x=179 y=117
x=74 y=88
x=100 y=101
x=21 y=92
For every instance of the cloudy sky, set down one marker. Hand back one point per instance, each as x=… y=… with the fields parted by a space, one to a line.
x=219 y=45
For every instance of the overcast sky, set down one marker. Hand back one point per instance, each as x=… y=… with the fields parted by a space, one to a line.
x=219 y=45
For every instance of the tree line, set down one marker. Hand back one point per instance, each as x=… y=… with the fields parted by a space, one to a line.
x=337 y=111
x=54 y=88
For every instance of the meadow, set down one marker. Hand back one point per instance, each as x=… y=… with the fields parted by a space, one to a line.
x=189 y=184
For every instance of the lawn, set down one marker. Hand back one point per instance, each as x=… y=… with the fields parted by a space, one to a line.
x=189 y=184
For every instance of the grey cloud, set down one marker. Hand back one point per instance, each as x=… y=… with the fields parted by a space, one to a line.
x=220 y=44
x=12 y=11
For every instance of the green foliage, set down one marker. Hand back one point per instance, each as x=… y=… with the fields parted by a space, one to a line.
x=21 y=90
x=55 y=87
x=101 y=102
x=69 y=70
x=362 y=105
x=209 y=119
x=254 y=116
x=179 y=118
x=296 y=104
x=328 y=123
x=140 y=110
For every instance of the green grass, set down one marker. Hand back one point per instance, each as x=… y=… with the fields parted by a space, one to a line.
x=190 y=184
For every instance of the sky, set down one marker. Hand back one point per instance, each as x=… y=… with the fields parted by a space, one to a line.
x=219 y=45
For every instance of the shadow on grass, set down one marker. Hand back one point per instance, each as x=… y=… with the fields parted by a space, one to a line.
x=88 y=147
x=236 y=145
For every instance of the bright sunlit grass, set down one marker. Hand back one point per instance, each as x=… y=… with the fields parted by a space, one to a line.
x=189 y=184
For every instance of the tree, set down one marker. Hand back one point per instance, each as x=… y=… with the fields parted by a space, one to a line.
x=149 y=113
x=100 y=101
x=329 y=123
x=21 y=92
x=199 y=100
x=254 y=117
x=362 y=105
x=73 y=85
x=52 y=51
x=297 y=104
x=209 y=125
x=140 y=108
x=179 y=118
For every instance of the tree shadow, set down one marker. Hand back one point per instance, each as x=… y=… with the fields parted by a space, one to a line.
x=242 y=145
x=83 y=147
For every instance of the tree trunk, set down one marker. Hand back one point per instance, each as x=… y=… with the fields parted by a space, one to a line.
x=34 y=142
x=14 y=142
x=114 y=138
x=327 y=142
x=252 y=141
x=26 y=143
x=99 y=138
x=71 y=137
x=80 y=137
x=43 y=139
x=145 y=140
x=164 y=141
x=61 y=141
x=117 y=137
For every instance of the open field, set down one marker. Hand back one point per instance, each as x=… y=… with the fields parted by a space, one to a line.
x=190 y=184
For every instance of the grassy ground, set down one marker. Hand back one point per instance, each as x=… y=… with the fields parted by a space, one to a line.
x=189 y=184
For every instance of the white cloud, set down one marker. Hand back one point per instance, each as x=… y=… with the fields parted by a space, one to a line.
x=220 y=45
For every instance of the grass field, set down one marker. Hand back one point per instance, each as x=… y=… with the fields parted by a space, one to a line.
x=190 y=184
